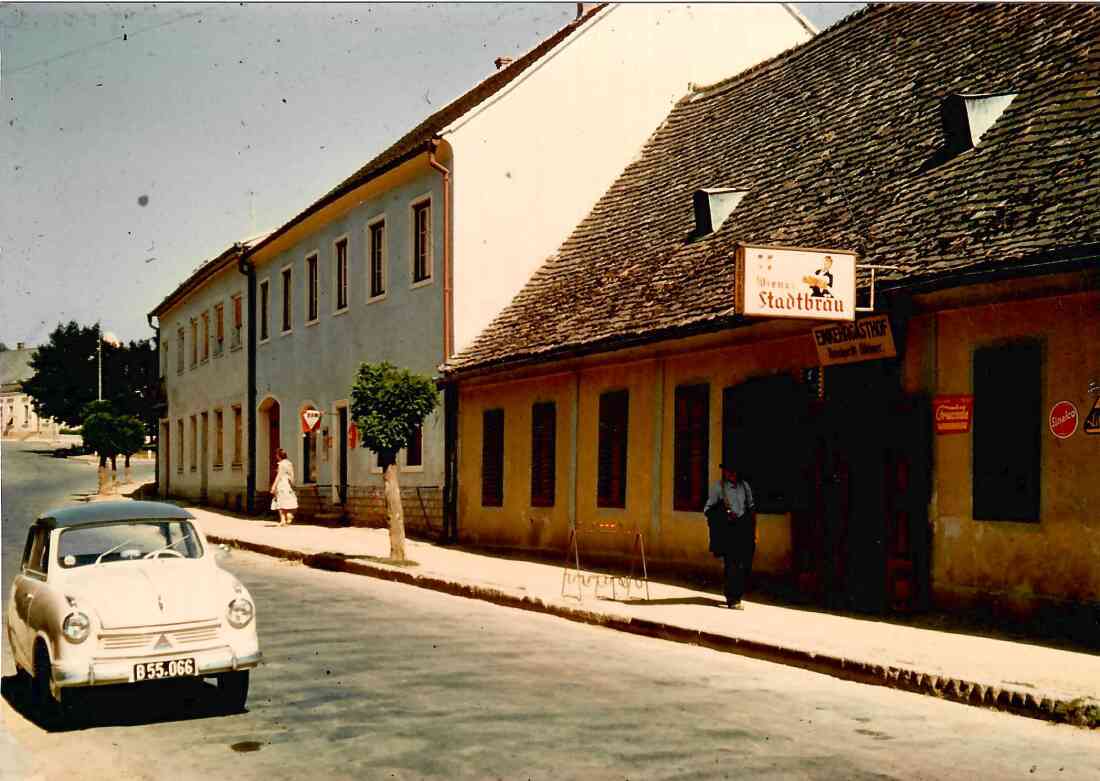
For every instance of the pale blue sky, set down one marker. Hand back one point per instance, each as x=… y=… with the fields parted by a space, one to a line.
x=131 y=136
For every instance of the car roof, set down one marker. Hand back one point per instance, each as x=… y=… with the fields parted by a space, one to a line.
x=100 y=512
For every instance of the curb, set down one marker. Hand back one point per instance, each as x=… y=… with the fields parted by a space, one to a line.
x=1079 y=712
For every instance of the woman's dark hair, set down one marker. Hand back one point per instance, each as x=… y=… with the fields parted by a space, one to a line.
x=280 y=454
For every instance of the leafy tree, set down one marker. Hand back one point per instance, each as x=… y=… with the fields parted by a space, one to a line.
x=131 y=438
x=64 y=378
x=387 y=405
x=101 y=434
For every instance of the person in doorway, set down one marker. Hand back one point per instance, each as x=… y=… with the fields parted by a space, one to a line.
x=283 y=497
x=731 y=515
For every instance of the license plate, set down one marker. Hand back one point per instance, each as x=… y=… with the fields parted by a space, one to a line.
x=155 y=671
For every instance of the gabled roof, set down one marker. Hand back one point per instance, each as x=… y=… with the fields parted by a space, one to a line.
x=15 y=367
x=839 y=143
x=416 y=140
x=207 y=270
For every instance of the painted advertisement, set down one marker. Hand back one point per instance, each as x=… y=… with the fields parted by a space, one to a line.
x=792 y=282
x=863 y=340
x=953 y=414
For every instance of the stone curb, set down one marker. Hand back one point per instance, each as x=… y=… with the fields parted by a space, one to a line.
x=1079 y=712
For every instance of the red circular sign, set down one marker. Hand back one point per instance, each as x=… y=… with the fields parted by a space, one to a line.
x=1063 y=419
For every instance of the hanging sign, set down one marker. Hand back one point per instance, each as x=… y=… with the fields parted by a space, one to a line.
x=353 y=435
x=863 y=340
x=791 y=282
x=310 y=419
x=1092 y=422
x=953 y=414
x=1063 y=419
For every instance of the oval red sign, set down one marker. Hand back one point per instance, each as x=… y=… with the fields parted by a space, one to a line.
x=1063 y=419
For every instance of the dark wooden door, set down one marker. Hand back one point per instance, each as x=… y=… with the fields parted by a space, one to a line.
x=273 y=440
x=343 y=425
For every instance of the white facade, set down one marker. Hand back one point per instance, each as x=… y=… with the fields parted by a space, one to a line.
x=531 y=161
x=203 y=442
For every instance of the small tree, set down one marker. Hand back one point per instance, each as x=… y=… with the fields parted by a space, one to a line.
x=101 y=434
x=387 y=405
x=131 y=438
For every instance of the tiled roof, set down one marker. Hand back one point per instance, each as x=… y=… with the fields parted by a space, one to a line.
x=838 y=142
x=416 y=140
x=15 y=368
x=205 y=271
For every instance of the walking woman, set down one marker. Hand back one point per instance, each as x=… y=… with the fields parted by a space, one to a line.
x=283 y=497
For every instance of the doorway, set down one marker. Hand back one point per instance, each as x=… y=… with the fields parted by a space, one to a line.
x=342 y=424
x=204 y=476
x=272 y=440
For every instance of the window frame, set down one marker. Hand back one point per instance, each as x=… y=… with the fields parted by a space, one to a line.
x=238 y=435
x=180 y=446
x=492 y=489
x=219 y=329
x=341 y=287
x=237 y=332
x=312 y=311
x=286 y=320
x=690 y=472
x=378 y=222
x=194 y=463
x=263 y=293
x=607 y=429
x=544 y=459
x=205 y=318
x=416 y=207
x=181 y=349
x=219 y=434
x=418 y=467
x=194 y=342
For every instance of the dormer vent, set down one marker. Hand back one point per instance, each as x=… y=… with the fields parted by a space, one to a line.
x=966 y=118
x=712 y=206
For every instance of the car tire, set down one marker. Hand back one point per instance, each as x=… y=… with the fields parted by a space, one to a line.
x=233 y=690
x=42 y=700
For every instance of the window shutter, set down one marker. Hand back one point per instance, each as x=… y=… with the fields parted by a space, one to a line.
x=611 y=478
x=492 y=458
x=543 y=453
x=692 y=447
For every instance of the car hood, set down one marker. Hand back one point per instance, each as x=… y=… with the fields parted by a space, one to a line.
x=149 y=593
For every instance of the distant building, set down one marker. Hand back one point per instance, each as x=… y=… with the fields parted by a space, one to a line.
x=18 y=416
x=937 y=449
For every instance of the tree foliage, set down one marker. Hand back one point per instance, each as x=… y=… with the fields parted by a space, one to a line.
x=387 y=404
x=101 y=430
x=66 y=376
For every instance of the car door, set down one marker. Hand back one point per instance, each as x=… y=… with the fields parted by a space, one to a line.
x=24 y=591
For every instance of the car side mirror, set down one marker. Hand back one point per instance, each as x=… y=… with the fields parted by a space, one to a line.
x=222 y=552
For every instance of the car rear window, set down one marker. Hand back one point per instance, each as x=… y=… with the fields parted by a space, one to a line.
x=127 y=541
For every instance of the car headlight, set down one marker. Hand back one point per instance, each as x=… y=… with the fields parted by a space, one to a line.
x=76 y=627
x=239 y=613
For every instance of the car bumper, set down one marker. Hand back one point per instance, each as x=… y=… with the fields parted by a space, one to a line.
x=103 y=672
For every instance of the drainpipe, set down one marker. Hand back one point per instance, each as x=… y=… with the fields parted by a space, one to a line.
x=450 y=390
x=245 y=267
x=156 y=458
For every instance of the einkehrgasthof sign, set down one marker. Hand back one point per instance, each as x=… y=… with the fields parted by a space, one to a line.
x=814 y=284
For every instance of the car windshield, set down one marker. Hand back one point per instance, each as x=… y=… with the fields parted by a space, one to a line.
x=127 y=541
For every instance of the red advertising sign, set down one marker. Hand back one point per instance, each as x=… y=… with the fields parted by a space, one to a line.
x=311 y=418
x=953 y=414
x=353 y=435
x=1063 y=419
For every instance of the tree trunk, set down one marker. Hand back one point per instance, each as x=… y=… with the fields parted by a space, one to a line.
x=114 y=475
x=394 y=513
x=102 y=475
x=126 y=470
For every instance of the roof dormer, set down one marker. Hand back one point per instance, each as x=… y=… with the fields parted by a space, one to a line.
x=966 y=118
x=712 y=206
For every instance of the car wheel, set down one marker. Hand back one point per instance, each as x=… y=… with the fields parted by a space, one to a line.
x=233 y=690
x=42 y=699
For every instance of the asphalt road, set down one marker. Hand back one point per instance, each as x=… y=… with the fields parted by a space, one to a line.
x=369 y=679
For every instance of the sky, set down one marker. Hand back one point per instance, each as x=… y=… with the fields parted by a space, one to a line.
x=139 y=140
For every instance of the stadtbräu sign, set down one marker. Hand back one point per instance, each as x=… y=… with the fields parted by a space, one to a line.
x=814 y=284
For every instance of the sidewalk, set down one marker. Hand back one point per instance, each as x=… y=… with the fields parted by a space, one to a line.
x=1027 y=679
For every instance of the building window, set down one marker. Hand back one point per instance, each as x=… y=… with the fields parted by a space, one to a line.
x=312 y=289
x=611 y=478
x=377 y=259
x=179 y=350
x=219 y=431
x=692 y=447
x=219 y=329
x=422 y=248
x=342 y=274
x=1007 y=431
x=264 y=307
x=286 y=300
x=238 y=324
x=543 y=453
x=179 y=445
x=414 y=452
x=205 y=337
x=194 y=443
x=164 y=359
x=492 y=458
x=194 y=342
x=309 y=457
x=237 y=431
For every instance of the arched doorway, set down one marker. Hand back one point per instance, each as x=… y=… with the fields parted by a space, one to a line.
x=268 y=434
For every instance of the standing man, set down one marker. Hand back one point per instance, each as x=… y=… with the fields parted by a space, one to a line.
x=731 y=515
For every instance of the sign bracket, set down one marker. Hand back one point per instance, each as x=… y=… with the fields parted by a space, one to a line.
x=873 y=268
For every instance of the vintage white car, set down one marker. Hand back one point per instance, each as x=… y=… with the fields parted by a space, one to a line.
x=127 y=592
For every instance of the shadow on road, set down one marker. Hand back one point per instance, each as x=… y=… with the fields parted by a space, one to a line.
x=674 y=601
x=122 y=706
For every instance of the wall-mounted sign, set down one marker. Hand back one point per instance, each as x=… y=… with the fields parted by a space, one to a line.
x=353 y=435
x=863 y=340
x=1063 y=419
x=1092 y=422
x=310 y=419
x=953 y=414
x=791 y=282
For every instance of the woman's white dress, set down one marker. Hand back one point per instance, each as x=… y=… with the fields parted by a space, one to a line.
x=285 y=498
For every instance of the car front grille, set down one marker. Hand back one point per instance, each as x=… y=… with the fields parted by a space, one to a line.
x=147 y=639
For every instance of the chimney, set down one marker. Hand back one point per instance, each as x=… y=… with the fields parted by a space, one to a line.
x=583 y=8
x=966 y=118
x=712 y=207
x=502 y=62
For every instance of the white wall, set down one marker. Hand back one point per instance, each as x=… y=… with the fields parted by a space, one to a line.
x=533 y=160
